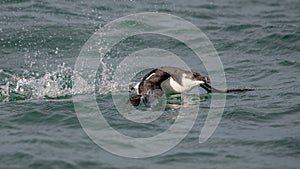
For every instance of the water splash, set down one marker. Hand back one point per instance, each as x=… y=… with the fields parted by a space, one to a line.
x=51 y=85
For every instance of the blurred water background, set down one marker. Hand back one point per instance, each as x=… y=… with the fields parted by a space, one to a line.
x=257 y=41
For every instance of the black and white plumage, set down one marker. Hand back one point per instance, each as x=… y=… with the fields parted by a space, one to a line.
x=166 y=80
x=170 y=80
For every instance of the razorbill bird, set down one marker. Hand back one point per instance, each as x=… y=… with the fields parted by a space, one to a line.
x=171 y=80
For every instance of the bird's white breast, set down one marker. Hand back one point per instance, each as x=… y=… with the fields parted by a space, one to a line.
x=171 y=86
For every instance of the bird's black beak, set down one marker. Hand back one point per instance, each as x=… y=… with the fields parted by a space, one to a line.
x=206 y=87
x=210 y=89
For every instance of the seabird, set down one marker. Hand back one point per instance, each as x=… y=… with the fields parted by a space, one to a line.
x=171 y=80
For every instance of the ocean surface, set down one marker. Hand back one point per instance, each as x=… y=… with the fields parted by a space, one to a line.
x=258 y=43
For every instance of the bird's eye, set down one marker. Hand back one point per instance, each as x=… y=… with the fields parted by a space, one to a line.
x=195 y=75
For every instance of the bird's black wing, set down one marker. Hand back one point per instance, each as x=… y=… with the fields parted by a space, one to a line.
x=152 y=81
x=150 y=87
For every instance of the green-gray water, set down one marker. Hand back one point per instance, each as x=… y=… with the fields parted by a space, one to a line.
x=258 y=43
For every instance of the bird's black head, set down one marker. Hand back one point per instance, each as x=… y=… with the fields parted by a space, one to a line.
x=197 y=76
